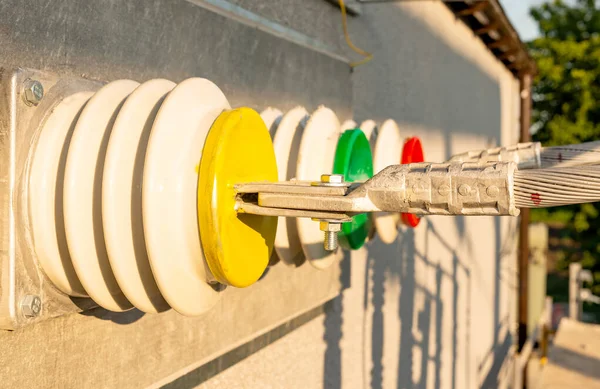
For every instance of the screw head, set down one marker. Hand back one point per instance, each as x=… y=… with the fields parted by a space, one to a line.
x=33 y=92
x=332 y=178
x=31 y=306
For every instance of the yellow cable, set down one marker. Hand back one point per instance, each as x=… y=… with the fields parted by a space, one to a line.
x=368 y=56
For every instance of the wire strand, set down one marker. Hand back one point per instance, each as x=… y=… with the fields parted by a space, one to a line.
x=368 y=56
x=571 y=155
x=539 y=188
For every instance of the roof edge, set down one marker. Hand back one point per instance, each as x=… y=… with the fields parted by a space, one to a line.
x=489 y=22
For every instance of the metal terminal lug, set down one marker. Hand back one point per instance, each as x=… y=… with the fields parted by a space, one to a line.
x=451 y=188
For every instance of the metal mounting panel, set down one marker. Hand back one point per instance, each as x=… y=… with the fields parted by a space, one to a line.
x=22 y=281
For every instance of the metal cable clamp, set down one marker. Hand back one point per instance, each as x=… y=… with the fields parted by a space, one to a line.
x=451 y=188
x=525 y=155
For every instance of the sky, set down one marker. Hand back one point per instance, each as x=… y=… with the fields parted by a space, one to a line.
x=518 y=12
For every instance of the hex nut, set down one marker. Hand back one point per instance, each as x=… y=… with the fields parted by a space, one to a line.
x=332 y=178
x=330 y=226
x=31 y=306
x=33 y=92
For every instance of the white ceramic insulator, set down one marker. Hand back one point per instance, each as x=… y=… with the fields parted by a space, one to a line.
x=387 y=150
x=286 y=143
x=315 y=156
x=113 y=192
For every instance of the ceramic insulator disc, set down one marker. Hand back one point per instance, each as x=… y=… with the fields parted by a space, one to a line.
x=83 y=195
x=170 y=191
x=315 y=157
x=46 y=182
x=347 y=125
x=370 y=129
x=130 y=194
x=386 y=152
x=287 y=145
x=272 y=117
x=122 y=195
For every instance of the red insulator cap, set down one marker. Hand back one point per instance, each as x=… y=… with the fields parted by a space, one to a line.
x=412 y=152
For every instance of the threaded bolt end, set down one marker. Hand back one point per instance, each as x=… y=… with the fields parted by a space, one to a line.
x=331 y=240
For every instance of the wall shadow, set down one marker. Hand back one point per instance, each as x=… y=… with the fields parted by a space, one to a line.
x=426 y=85
x=406 y=273
x=377 y=266
x=500 y=348
x=428 y=319
x=397 y=262
x=334 y=309
x=572 y=360
x=124 y=318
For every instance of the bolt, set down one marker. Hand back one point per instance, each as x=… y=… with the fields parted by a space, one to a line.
x=464 y=189
x=444 y=190
x=492 y=191
x=335 y=179
x=330 y=241
x=31 y=305
x=33 y=91
x=331 y=230
x=418 y=188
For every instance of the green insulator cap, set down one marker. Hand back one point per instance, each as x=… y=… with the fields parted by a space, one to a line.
x=354 y=160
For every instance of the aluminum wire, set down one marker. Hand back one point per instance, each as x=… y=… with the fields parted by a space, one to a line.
x=571 y=155
x=538 y=188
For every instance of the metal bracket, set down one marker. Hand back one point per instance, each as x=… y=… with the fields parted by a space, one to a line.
x=248 y=198
x=26 y=295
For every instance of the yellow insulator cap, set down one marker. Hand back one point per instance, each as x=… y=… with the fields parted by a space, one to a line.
x=238 y=149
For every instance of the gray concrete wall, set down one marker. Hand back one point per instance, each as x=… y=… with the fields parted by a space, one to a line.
x=434 y=309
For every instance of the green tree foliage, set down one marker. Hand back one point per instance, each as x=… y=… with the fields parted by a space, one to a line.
x=566 y=102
